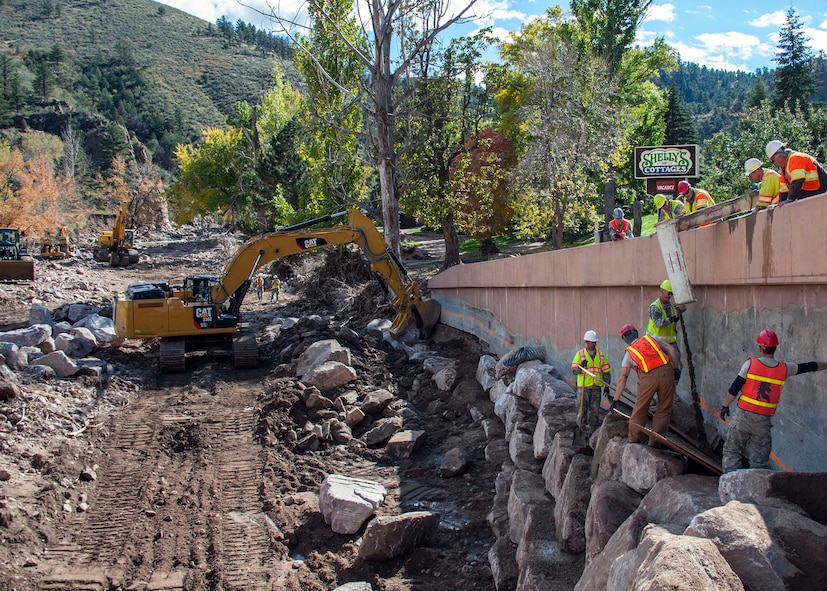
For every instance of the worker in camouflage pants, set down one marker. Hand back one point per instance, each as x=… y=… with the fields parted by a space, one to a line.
x=759 y=383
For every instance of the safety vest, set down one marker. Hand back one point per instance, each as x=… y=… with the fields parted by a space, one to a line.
x=276 y=285
x=801 y=166
x=259 y=282
x=647 y=354
x=762 y=390
x=621 y=232
x=769 y=189
x=702 y=199
x=678 y=208
x=598 y=365
x=668 y=333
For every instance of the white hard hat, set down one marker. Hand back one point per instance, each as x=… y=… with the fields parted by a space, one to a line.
x=590 y=336
x=773 y=147
x=751 y=166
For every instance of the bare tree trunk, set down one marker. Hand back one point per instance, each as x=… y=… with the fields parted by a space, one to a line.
x=449 y=233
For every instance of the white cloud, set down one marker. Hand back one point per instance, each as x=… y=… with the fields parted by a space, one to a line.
x=770 y=19
x=731 y=44
x=818 y=38
x=660 y=12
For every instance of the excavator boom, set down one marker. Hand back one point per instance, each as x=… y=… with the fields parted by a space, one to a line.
x=210 y=305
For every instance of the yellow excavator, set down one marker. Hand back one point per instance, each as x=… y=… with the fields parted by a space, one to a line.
x=117 y=247
x=205 y=310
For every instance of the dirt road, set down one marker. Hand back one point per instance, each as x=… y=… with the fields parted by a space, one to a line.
x=194 y=481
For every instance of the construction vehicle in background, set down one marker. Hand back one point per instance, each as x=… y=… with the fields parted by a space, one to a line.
x=205 y=310
x=15 y=262
x=117 y=247
x=57 y=245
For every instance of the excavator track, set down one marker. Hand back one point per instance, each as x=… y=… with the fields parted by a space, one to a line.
x=172 y=354
x=168 y=464
x=245 y=349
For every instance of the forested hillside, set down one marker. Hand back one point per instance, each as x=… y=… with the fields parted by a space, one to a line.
x=163 y=74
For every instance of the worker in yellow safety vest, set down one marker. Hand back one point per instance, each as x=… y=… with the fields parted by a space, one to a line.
x=769 y=182
x=663 y=318
x=667 y=209
x=595 y=362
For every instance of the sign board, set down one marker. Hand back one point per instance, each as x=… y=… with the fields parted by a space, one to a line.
x=665 y=186
x=675 y=162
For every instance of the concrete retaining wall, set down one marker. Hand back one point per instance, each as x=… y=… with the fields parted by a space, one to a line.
x=764 y=270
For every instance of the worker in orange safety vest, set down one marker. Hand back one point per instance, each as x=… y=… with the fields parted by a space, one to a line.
x=656 y=362
x=620 y=228
x=694 y=198
x=801 y=174
x=759 y=383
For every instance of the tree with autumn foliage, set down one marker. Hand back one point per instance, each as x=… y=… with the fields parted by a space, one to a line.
x=33 y=197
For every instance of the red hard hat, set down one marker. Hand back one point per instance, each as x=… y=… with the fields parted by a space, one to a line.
x=626 y=328
x=683 y=186
x=767 y=338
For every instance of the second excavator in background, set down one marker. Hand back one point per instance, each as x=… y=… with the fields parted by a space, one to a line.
x=205 y=309
x=117 y=246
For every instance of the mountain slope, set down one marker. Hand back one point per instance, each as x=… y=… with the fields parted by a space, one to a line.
x=191 y=77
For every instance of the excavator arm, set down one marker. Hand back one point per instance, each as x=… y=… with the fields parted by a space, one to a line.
x=407 y=301
x=207 y=307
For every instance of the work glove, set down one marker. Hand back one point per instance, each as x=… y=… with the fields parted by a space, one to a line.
x=606 y=391
x=677 y=375
x=613 y=405
x=724 y=412
x=583 y=362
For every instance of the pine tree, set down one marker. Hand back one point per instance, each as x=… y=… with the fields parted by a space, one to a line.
x=680 y=129
x=795 y=79
x=757 y=95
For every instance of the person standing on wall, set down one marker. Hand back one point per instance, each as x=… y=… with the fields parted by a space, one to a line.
x=695 y=199
x=656 y=363
x=769 y=183
x=668 y=209
x=593 y=360
x=759 y=383
x=801 y=174
x=619 y=228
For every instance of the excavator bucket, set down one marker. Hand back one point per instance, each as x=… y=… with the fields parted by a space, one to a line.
x=427 y=316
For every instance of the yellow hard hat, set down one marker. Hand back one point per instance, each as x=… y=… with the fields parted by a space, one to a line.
x=666 y=284
x=659 y=200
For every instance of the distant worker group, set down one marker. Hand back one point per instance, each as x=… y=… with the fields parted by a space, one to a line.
x=799 y=175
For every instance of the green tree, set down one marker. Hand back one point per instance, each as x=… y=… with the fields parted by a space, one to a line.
x=679 y=126
x=439 y=127
x=43 y=78
x=609 y=26
x=333 y=146
x=757 y=95
x=794 y=78
x=399 y=30
x=563 y=101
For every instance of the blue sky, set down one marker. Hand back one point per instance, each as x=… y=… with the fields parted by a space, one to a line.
x=732 y=35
